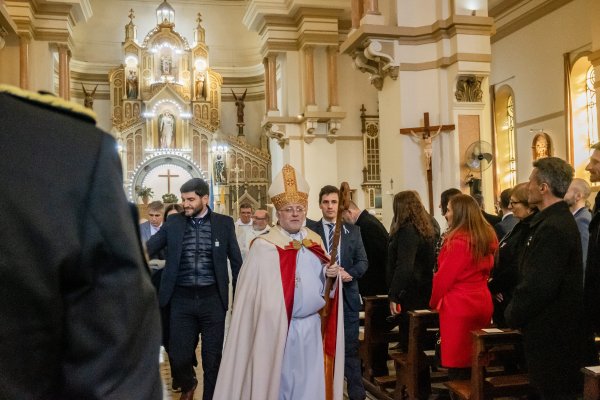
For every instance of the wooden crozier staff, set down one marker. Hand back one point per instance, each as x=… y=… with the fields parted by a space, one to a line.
x=343 y=204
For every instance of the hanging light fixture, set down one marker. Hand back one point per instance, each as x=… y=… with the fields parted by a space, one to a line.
x=165 y=14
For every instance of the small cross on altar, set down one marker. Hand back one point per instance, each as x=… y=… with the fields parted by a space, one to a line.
x=168 y=176
x=427 y=138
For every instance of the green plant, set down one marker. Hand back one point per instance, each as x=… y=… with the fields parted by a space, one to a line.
x=169 y=198
x=144 y=191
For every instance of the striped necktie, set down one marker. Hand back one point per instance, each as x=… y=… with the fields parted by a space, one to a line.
x=331 y=227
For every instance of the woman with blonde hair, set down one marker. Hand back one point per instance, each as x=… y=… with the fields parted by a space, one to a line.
x=460 y=292
x=505 y=274
x=410 y=258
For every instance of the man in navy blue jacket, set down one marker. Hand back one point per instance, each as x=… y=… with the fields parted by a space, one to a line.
x=195 y=284
x=353 y=261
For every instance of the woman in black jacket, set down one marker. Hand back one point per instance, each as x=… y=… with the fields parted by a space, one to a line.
x=411 y=259
x=505 y=275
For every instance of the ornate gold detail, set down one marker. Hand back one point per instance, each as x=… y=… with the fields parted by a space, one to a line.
x=291 y=194
x=468 y=88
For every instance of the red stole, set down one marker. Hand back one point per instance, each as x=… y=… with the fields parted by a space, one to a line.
x=287 y=266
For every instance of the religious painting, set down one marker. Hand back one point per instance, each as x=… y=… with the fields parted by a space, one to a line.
x=541 y=146
x=166 y=130
x=220 y=175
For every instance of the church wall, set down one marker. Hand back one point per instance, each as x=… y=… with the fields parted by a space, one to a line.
x=530 y=60
x=102 y=109
x=424 y=14
x=41 y=58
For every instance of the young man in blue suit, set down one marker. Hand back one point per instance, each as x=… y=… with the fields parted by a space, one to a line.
x=195 y=284
x=353 y=263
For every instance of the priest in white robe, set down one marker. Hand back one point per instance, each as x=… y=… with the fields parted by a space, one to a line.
x=274 y=350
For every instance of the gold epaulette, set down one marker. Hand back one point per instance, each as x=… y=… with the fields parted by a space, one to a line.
x=50 y=101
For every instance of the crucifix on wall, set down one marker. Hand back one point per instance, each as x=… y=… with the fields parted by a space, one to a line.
x=168 y=176
x=426 y=134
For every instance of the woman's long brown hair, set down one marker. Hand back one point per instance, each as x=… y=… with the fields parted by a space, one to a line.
x=408 y=209
x=467 y=218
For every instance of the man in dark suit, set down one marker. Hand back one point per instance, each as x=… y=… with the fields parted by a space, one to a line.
x=548 y=300
x=79 y=314
x=490 y=218
x=576 y=198
x=508 y=219
x=375 y=239
x=353 y=265
x=195 y=284
x=156 y=210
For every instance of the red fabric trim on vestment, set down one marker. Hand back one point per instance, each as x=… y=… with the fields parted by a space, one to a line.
x=287 y=266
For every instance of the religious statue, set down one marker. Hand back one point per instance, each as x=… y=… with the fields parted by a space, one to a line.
x=165 y=65
x=239 y=103
x=220 y=177
x=542 y=146
x=200 y=87
x=88 y=99
x=166 y=129
x=132 y=85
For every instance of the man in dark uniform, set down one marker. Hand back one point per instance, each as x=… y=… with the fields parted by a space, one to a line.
x=79 y=314
x=548 y=301
x=195 y=284
x=592 y=270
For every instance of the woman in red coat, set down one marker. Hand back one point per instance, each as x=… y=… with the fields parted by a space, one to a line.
x=460 y=291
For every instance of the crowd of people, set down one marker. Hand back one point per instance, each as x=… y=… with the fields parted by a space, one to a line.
x=297 y=284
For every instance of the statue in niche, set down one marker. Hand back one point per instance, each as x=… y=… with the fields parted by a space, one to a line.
x=542 y=146
x=200 y=87
x=239 y=103
x=166 y=129
x=165 y=65
x=88 y=98
x=220 y=176
x=132 y=85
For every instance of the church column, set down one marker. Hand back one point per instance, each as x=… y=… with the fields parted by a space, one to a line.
x=332 y=82
x=63 y=71
x=372 y=7
x=24 y=41
x=309 y=81
x=594 y=57
x=356 y=13
x=267 y=86
x=272 y=78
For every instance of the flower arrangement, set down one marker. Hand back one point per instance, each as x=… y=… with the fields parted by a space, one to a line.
x=169 y=198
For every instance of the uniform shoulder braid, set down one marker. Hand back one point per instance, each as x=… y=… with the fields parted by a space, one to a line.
x=52 y=102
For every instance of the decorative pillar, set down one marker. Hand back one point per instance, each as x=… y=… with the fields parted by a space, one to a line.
x=24 y=61
x=267 y=85
x=63 y=71
x=272 y=64
x=356 y=13
x=309 y=82
x=332 y=78
x=372 y=7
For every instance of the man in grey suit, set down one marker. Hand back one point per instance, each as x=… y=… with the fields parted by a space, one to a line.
x=353 y=265
x=508 y=219
x=576 y=197
x=156 y=210
x=195 y=284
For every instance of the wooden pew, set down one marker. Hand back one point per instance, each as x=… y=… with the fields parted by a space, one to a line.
x=489 y=345
x=375 y=334
x=591 y=383
x=413 y=377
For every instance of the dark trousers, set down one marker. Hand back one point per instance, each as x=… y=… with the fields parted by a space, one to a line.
x=196 y=311
x=352 y=369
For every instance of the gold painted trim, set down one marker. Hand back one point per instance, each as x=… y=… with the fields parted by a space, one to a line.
x=528 y=18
